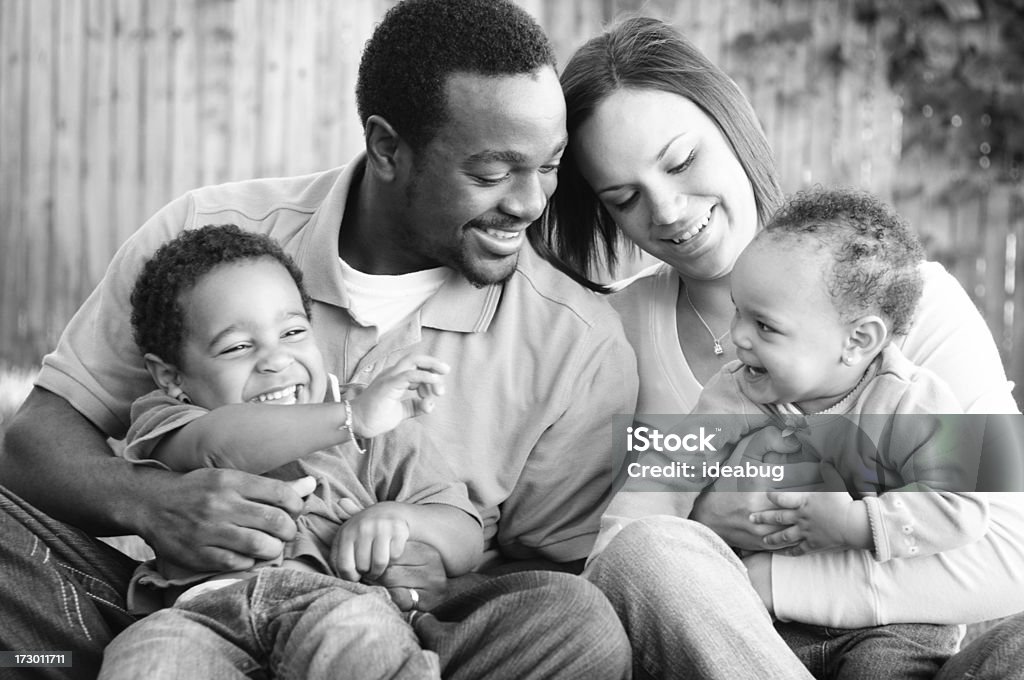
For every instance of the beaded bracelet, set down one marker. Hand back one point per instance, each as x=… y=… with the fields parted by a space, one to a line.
x=348 y=426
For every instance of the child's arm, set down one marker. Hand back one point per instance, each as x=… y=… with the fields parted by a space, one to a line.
x=368 y=542
x=260 y=437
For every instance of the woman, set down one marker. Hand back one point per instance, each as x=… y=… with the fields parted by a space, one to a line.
x=665 y=151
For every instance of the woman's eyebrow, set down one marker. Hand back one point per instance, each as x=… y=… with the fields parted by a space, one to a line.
x=661 y=155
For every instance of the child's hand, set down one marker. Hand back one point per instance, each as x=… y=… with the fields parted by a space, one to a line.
x=819 y=522
x=405 y=390
x=366 y=544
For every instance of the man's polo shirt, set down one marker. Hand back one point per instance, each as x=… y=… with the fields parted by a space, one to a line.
x=539 y=364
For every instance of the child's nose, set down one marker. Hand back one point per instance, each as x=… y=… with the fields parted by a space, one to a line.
x=274 y=360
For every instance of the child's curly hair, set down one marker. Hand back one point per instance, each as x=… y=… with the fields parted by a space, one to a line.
x=875 y=255
x=158 y=320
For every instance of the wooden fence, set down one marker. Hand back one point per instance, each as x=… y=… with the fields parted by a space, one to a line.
x=111 y=108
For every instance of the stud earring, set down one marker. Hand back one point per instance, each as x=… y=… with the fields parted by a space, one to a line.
x=848 y=360
x=176 y=392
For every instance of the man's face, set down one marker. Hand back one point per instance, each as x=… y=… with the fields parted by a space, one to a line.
x=487 y=174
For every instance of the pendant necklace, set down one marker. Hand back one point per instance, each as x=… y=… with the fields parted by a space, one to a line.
x=719 y=351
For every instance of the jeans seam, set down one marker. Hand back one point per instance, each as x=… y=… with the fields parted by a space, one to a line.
x=99 y=582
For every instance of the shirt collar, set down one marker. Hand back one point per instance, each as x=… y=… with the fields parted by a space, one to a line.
x=458 y=305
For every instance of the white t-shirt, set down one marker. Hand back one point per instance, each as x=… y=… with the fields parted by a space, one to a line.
x=384 y=300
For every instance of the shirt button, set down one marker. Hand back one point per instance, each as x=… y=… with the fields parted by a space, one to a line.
x=914 y=550
x=369 y=368
x=907 y=529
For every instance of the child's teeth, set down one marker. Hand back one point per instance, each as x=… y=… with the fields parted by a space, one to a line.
x=280 y=394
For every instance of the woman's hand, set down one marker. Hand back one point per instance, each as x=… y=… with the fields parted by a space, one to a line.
x=728 y=515
x=818 y=522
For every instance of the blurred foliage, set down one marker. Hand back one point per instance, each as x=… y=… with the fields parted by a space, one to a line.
x=959 y=67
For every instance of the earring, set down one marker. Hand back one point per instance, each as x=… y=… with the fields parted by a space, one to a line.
x=176 y=392
x=848 y=360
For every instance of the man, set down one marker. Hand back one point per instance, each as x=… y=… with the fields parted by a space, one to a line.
x=417 y=244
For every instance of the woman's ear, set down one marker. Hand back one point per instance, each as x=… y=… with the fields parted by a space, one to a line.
x=867 y=337
x=383 y=146
x=166 y=376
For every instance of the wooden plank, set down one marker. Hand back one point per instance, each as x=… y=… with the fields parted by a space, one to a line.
x=274 y=132
x=247 y=102
x=13 y=149
x=300 y=152
x=126 y=122
x=184 y=97
x=157 y=122
x=96 y=139
x=37 y=216
x=66 y=183
x=1014 y=289
x=215 y=89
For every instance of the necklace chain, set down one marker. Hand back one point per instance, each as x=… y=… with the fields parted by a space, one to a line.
x=718 y=341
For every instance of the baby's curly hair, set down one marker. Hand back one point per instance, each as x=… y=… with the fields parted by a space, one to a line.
x=158 y=320
x=874 y=252
x=406 y=63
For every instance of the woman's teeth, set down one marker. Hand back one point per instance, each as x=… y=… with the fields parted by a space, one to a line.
x=280 y=394
x=687 y=235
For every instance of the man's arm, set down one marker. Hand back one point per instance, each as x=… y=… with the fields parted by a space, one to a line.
x=209 y=519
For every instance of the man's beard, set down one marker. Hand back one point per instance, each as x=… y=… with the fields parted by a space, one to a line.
x=457 y=255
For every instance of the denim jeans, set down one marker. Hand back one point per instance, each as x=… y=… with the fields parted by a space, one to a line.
x=907 y=651
x=997 y=654
x=688 y=607
x=280 y=623
x=62 y=590
x=690 y=612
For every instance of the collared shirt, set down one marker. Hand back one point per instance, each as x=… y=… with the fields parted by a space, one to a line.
x=539 y=364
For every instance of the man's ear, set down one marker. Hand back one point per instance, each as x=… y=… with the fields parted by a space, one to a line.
x=383 y=148
x=165 y=375
x=867 y=337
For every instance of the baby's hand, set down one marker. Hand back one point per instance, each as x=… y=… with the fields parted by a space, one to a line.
x=818 y=522
x=366 y=544
x=405 y=390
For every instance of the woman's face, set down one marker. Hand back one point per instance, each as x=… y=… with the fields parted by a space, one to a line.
x=669 y=179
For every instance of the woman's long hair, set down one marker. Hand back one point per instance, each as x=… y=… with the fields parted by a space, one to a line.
x=643 y=53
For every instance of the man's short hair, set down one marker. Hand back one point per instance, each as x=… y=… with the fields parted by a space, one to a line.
x=158 y=320
x=406 y=64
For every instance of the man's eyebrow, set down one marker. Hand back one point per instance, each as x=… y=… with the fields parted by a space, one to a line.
x=497 y=156
x=509 y=156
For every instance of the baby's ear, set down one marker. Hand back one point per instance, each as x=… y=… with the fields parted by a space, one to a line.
x=165 y=375
x=867 y=338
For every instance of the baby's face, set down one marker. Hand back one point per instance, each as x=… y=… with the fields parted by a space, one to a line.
x=248 y=339
x=787 y=332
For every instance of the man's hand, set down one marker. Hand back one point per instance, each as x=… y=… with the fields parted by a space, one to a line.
x=222 y=520
x=420 y=567
x=371 y=540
